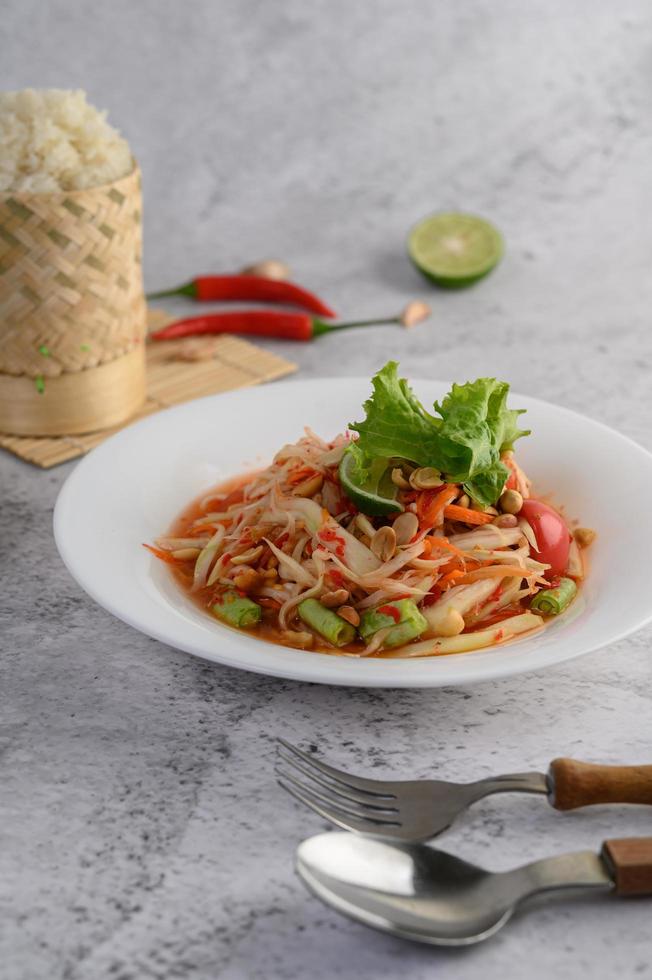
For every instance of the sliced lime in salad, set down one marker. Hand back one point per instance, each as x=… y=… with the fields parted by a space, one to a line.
x=375 y=497
x=455 y=250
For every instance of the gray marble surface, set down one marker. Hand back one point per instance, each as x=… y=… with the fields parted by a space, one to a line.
x=143 y=833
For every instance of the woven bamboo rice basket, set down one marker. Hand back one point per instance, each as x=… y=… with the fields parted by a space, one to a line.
x=72 y=310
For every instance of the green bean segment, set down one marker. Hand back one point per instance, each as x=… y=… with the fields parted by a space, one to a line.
x=326 y=622
x=551 y=602
x=237 y=610
x=405 y=620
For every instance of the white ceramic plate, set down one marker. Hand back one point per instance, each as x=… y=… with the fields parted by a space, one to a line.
x=128 y=491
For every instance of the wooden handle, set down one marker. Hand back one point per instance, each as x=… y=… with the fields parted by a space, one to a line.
x=574 y=784
x=629 y=863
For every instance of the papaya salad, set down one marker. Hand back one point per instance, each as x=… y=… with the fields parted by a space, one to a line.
x=412 y=534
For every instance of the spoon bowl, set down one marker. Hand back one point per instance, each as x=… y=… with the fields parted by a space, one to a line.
x=428 y=895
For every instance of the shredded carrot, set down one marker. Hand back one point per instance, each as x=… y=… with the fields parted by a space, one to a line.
x=467 y=516
x=163 y=555
x=496 y=571
x=445 y=545
x=201 y=529
x=427 y=548
x=297 y=476
x=432 y=503
x=450 y=578
x=450 y=566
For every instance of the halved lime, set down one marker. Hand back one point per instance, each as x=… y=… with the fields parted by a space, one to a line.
x=455 y=250
x=375 y=497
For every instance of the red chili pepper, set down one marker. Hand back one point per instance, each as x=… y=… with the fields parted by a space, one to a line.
x=330 y=534
x=496 y=594
x=391 y=611
x=245 y=288
x=431 y=597
x=259 y=323
x=336 y=578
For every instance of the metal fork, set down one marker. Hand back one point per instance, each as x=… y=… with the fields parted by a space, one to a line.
x=418 y=810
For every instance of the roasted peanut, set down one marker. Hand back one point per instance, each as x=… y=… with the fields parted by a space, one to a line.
x=405 y=527
x=398 y=478
x=334 y=598
x=510 y=501
x=464 y=500
x=248 y=557
x=267 y=269
x=297 y=638
x=425 y=478
x=584 y=536
x=248 y=579
x=414 y=313
x=483 y=509
x=506 y=520
x=309 y=487
x=349 y=614
x=256 y=534
x=383 y=543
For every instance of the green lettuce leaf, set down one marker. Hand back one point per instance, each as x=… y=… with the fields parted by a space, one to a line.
x=464 y=440
x=486 y=487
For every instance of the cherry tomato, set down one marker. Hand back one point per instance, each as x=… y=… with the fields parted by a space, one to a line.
x=552 y=536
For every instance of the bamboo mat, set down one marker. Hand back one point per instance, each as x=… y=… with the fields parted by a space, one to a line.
x=235 y=364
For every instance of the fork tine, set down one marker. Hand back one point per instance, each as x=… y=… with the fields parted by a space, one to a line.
x=372 y=786
x=338 y=789
x=350 y=809
x=350 y=823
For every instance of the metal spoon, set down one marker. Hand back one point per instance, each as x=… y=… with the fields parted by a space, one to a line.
x=424 y=894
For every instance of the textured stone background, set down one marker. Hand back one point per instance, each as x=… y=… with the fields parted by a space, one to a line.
x=143 y=833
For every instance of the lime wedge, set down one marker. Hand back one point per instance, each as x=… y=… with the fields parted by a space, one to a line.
x=378 y=495
x=455 y=250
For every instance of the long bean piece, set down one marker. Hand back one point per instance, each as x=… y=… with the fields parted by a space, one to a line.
x=326 y=622
x=237 y=610
x=551 y=602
